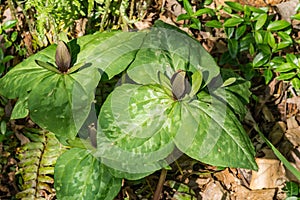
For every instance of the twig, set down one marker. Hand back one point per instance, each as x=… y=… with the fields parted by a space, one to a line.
x=160 y=184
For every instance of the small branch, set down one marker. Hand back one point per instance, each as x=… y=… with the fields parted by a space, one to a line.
x=160 y=184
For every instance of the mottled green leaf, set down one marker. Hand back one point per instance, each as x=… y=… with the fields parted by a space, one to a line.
x=134 y=132
x=79 y=175
x=61 y=102
x=167 y=49
x=211 y=131
x=20 y=109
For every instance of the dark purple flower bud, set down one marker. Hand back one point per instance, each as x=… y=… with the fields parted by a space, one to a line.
x=62 y=57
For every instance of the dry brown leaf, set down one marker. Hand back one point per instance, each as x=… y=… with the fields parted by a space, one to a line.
x=287 y=9
x=227 y=178
x=214 y=190
x=267 y=114
x=296 y=163
x=174 y=7
x=293 y=136
x=277 y=132
x=270 y=174
x=242 y=193
x=292 y=123
x=143 y=24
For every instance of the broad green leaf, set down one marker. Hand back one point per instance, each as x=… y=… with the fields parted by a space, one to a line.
x=188 y=7
x=210 y=132
x=296 y=16
x=233 y=47
x=112 y=52
x=20 y=109
x=229 y=31
x=235 y=94
x=196 y=24
x=282 y=45
x=196 y=82
x=261 y=10
x=7 y=58
x=214 y=24
x=164 y=81
x=240 y=31
x=286 y=76
x=234 y=21
x=229 y=81
x=134 y=132
x=235 y=6
x=1 y=55
x=3 y=127
x=284 y=36
x=14 y=36
x=264 y=48
x=9 y=24
x=245 y=42
x=285 y=67
x=207 y=2
x=271 y=40
x=268 y=75
x=292 y=59
x=137 y=126
x=260 y=59
x=227 y=9
x=292 y=189
x=183 y=17
x=167 y=49
x=278 y=25
x=79 y=175
x=204 y=11
x=261 y=21
x=258 y=37
x=296 y=83
x=60 y=102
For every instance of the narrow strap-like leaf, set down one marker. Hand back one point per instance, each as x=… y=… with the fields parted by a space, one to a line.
x=47 y=66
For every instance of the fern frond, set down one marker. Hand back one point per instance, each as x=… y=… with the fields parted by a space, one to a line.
x=36 y=166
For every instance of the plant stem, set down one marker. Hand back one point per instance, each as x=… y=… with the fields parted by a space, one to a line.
x=160 y=184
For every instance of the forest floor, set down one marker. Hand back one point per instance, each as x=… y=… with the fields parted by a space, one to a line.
x=276 y=112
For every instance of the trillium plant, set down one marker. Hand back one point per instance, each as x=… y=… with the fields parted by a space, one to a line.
x=170 y=99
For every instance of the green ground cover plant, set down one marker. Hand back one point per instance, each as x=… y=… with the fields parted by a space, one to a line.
x=171 y=97
x=255 y=38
